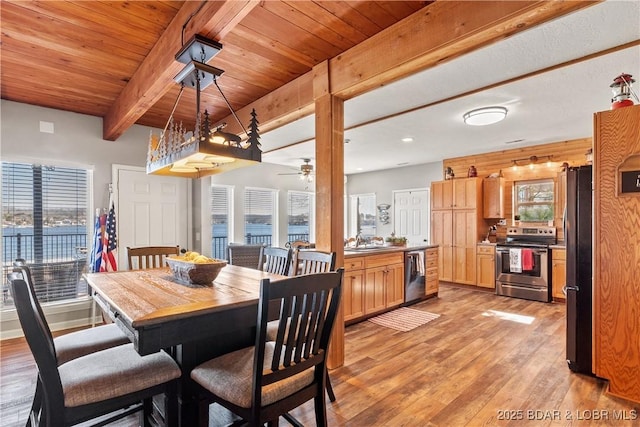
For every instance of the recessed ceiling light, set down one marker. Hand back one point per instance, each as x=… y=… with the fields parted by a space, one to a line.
x=484 y=116
x=407 y=139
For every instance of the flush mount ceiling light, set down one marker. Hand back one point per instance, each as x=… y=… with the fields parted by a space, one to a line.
x=207 y=149
x=484 y=116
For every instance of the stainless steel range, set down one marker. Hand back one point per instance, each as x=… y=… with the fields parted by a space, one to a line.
x=523 y=265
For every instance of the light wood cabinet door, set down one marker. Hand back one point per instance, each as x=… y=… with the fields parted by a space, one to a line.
x=464 y=270
x=442 y=235
x=352 y=294
x=486 y=266
x=394 y=285
x=441 y=195
x=465 y=193
x=558 y=273
x=464 y=229
x=432 y=283
x=493 y=198
x=375 y=296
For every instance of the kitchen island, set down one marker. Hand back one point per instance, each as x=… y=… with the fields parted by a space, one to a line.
x=375 y=279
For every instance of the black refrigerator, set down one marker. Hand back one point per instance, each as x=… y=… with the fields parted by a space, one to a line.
x=579 y=289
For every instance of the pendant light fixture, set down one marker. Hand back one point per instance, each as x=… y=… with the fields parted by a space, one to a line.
x=207 y=149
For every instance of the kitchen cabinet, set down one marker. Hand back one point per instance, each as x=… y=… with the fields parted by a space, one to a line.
x=455 y=225
x=493 y=198
x=558 y=273
x=486 y=266
x=431 y=272
x=442 y=234
x=372 y=283
x=384 y=282
x=353 y=288
x=455 y=194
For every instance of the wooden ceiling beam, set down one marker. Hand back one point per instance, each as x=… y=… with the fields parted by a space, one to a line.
x=155 y=75
x=437 y=33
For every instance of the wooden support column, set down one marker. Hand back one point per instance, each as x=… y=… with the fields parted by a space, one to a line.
x=330 y=186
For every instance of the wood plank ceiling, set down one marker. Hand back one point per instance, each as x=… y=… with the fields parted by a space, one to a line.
x=91 y=57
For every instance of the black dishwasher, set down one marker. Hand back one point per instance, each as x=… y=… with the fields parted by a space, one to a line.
x=414 y=269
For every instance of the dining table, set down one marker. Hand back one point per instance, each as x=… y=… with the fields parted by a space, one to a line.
x=193 y=323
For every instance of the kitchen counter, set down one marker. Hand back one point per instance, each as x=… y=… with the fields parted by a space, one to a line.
x=558 y=246
x=382 y=278
x=487 y=243
x=369 y=250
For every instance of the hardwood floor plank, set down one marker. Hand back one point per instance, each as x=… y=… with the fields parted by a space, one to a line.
x=486 y=361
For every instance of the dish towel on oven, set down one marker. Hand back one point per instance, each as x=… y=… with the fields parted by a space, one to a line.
x=515 y=260
x=527 y=259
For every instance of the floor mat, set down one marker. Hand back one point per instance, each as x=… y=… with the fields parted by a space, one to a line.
x=404 y=319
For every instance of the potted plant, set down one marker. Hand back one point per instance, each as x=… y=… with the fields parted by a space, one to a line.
x=396 y=241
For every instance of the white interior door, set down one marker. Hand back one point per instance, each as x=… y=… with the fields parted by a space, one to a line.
x=151 y=210
x=411 y=215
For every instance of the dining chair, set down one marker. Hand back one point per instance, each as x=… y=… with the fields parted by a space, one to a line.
x=276 y=260
x=298 y=244
x=311 y=261
x=74 y=344
x=111 y=383
x=145 y=257
x=244 y=255
x=269 y=379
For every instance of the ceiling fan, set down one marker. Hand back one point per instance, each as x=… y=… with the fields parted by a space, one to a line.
x=306 y=171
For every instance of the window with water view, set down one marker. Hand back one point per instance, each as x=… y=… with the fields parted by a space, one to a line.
x=44 y=222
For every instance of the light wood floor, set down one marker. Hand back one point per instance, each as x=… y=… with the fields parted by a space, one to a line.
x=486 y=361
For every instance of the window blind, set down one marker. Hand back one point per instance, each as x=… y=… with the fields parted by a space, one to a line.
x=220 y=220
x=44 y=216
x=259 y=212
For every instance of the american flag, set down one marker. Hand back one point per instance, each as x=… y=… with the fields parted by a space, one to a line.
x=96 y=250
x=110 y=243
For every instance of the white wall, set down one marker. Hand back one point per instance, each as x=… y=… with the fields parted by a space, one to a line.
x=383 y=183
x=77 y=140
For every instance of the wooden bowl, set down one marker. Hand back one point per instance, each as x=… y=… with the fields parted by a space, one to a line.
x=192 y=273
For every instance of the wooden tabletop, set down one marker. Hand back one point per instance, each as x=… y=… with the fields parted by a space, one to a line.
x=148 y=297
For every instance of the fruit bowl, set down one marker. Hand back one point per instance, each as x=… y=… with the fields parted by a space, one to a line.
x=195 y=273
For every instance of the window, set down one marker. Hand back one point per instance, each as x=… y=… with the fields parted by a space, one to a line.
x=44 y=222
x=259 y=215
x=363 y=215
x=534 y=200
x=300 y=219
x=221 y=197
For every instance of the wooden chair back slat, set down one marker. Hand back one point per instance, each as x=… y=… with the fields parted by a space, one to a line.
x=146 y=257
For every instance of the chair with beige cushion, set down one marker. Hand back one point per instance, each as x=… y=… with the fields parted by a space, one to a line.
x=74 y=344
x=276 y=260
x=114 y=382
x=146 y=257
x=265 y=381
x=309 y=262
x=79 y=343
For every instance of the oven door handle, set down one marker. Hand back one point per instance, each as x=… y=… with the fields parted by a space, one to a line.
x=535 y=251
